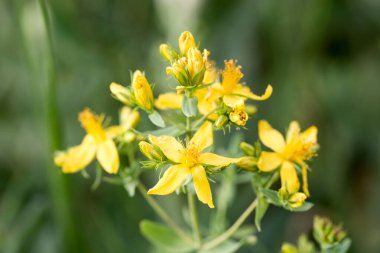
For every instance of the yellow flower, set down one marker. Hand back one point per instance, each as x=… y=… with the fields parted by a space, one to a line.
x=168 y=53
x=97 y=143
x=142 y=91
x=188 y=161
x=232 y=91
x=185 y=42
x=297 y=148
x=289 y=248
x=211 y=74
x=238 y=115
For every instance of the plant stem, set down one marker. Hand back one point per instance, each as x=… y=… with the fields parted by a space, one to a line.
x=194 y=218
x=229 y=232
x=162 y=214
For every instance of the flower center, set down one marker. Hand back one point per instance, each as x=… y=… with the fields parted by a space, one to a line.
x=190 y=156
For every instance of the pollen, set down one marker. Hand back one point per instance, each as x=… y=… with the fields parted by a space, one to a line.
x=190 y=156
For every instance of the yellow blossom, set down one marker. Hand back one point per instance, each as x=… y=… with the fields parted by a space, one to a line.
x=188 y=161
x=97 y=143
x=238 y=115
x=296 y=148
x=196 y=65
x=185 y=42
x=142 y=91
x=232 y=91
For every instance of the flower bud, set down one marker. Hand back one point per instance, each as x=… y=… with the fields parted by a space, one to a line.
x=247 y=163
x=148 y=150
x=142 y=91
x=247 y=148
x=250 y=109
x=326 y=233
x=178 y=70
x=238 y=117
x=288 y=248
x=221 y=121
x=185 y=42
x=169 y=54
x=297 y=199
x=121 y=93
x=129 y=118
x=195 y=66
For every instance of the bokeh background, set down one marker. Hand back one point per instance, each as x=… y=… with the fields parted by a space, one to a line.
x=56 y=57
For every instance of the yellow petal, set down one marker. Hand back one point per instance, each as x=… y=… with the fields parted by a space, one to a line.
x=310 y=135
x=269 y=161
x=289 y=178
x=78 y=157
x=169 y=100
x=114 y=131
x=293 y=131
x=216 y=160
x=129 y=118
x=305 y=184
x=203 y=137
x=171 y=180
x=171 y=148
x=232 y=100
x=108 y=156
x=201 y=185
x=270 y=137
x=265 y=96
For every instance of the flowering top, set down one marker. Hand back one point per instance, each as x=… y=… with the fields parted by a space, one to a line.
x=296 y=148
x=187 y=161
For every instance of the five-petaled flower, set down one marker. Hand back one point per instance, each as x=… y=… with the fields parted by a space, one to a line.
x=98 y=143
x=187 y=161
x=296 y=148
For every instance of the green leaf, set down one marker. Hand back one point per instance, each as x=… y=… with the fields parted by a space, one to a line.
x=163 y=237
x=305 y=207
x=272 y=196
x=225 y=247
x=156 y=119
x=262 y=207
x=339 y=248
x=190 y=106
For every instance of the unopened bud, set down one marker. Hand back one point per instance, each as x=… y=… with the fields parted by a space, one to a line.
x=297 y=199
x=247 y=163
x=142 y=91
x=247 y=148
x=195 y=66
x=121 y=93
x=221 y=121
x=288 y=248
x=250 y=109
x=178 y=70
x=148 y=150
x=169 y=54
x=185 y=42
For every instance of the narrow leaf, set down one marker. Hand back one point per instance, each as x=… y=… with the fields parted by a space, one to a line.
x=262 y=207
x=156 y=119
x=190 y=106
x=163 y=237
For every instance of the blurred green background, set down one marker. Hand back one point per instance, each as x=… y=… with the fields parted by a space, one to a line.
x=322 y=58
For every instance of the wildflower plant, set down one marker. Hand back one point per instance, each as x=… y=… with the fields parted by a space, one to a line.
x=207 y=100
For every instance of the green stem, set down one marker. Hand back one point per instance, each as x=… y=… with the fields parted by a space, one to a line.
x=229 y=232
x=163 y=215
x=194 y=218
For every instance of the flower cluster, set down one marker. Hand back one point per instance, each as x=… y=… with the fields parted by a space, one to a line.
x=206 y=100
